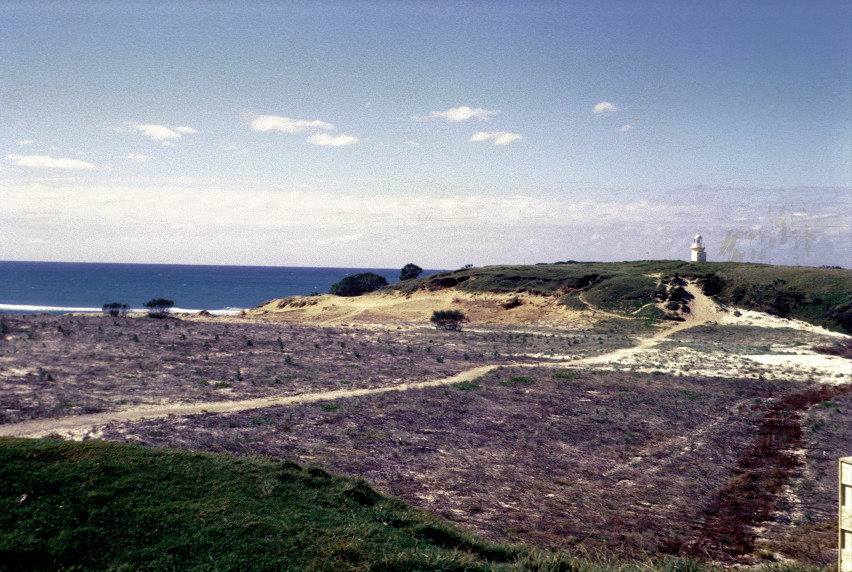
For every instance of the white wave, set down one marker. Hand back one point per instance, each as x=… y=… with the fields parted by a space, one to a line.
x=31 y=308
x=34 y=308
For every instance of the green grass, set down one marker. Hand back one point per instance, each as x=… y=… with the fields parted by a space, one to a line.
x=518 y=380
x=467 y=386
x=96 y=505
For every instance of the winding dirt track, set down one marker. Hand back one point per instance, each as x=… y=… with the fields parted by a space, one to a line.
x=76 y=426
x=77 y=423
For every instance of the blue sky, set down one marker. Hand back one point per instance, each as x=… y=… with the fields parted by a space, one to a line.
x=444 y=133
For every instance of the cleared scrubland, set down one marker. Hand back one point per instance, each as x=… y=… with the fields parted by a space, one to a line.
x=614 y=459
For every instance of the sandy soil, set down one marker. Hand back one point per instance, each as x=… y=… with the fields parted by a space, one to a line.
x=785 y=362
x=417 y=308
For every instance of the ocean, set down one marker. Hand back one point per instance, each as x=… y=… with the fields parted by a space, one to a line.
x=62 y=287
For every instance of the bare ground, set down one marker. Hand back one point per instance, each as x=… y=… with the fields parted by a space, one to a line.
x=554 y=433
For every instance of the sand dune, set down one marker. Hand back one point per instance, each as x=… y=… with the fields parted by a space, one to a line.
x=418 y=307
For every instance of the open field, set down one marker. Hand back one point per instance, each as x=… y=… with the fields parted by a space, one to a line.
x=717 y=438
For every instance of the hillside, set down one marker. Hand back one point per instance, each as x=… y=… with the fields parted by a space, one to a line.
x=100 y=505
x=563 y=293
x=820 y=296
x=97 y=505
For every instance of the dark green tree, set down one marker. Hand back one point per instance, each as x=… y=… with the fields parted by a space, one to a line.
x=410 y=271
x=159 y=307
x=448 y=319
x=358 y=284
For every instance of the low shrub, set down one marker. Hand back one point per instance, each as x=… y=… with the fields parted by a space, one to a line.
x=448 y=319
x=159 y=307
x=116 y=309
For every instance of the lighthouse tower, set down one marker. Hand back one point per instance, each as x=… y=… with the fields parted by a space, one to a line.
x=698 y=254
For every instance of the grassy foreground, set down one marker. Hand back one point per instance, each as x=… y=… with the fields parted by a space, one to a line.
x=104 y=506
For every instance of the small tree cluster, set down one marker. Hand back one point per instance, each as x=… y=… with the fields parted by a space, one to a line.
x=116 y=309
x=358 y=284
x=410 y=271
x=159 y=307
x=448 y=319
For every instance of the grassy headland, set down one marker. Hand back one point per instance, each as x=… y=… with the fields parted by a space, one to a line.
x=821 y=296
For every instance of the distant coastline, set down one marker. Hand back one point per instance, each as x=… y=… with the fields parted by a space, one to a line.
x=63 y=287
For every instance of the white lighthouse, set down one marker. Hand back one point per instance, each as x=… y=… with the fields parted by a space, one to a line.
x=698 y=254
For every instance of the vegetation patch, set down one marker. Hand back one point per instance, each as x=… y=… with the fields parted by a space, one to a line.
x=816 y=295
x=98 y=506
x=467 y=385
x=517 y=380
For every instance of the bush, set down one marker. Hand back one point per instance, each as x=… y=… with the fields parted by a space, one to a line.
x=410 y=271
x=358 y=284
x=159 y=307
x=116 y=309
x=841 y=315
x=448 y=319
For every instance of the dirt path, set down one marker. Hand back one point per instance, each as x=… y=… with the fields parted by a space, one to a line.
x=702 y=310
x=77 y=425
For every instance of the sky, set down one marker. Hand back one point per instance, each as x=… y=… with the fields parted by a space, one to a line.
x=377 y=133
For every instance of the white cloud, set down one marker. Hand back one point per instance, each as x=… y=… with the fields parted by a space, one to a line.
x=326 y=140
x=48 y=162
x=138 y=157
x=604 y=107
x=287 y=125
x=161 y=132
x=456 y=114
x=412 y=143
x=26 y=142
x=496 y=137
x=234 y=149
x=625 y=128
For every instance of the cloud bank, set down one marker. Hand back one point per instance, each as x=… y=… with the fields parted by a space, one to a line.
x=295 y=224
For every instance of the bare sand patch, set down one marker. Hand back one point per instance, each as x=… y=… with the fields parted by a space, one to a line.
x=782 y=362
x=384 y=308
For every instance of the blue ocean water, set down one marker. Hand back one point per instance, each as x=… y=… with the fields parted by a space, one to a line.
x=59 y=287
